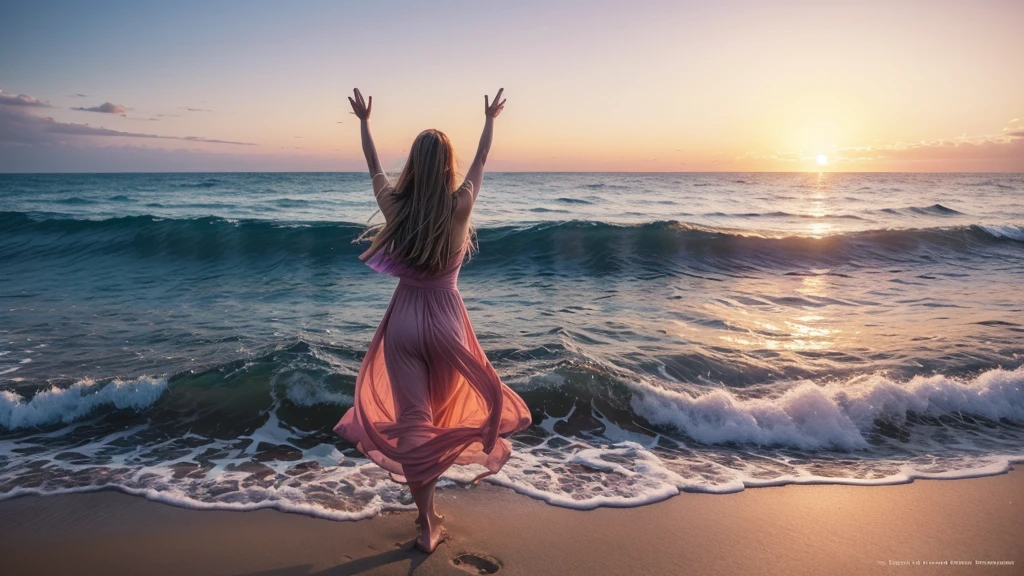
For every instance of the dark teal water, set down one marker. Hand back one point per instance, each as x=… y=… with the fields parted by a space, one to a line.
x=194 y=337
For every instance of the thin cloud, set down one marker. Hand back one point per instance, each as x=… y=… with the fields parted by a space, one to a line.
x=106 y=108
x=1014 y=128
x=86 y=130
x=1003 y=152
x=1008 y=152
x=195 y=109
x=22 y=100
x=19 y=127
x=77 y=95
x=211 y=141
x=52 y=126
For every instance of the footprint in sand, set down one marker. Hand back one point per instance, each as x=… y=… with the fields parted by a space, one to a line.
x=476 y=563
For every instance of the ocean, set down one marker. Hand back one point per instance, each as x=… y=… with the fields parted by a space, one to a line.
x=193 y=338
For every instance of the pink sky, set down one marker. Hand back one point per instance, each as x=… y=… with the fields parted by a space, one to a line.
x=643 y=86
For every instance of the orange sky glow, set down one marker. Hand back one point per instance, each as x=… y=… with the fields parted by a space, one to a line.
x=595 y=86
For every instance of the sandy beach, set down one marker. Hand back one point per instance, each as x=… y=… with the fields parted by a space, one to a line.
x=974 y=526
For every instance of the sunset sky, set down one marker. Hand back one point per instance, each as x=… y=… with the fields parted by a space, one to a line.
x=607 y=86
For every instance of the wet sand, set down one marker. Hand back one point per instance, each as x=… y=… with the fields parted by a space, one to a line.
x=819 y=529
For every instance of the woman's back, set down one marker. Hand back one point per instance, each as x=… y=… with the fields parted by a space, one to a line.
x=426 y=213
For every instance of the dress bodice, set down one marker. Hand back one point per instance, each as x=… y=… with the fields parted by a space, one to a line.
x=447 y=278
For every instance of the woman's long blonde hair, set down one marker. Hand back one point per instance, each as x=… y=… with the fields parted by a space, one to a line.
x=418 y=232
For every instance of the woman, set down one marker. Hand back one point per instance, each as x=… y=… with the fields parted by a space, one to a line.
x=426 y=396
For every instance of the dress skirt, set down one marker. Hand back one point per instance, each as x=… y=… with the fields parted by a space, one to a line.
x=426 y=396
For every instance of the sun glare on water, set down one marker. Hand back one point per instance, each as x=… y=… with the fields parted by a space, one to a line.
x=821 y=159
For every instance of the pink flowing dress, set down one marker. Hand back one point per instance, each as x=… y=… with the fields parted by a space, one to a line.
x=426 y=396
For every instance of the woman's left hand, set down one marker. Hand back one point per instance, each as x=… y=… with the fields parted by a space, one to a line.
x=492 y=109
x=360 y=107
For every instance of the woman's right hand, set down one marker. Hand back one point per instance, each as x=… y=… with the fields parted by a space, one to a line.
x=491 y=110
x=359 y=107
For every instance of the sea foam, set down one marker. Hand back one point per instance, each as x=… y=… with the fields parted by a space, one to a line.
x=76 y=401
x=838 y=415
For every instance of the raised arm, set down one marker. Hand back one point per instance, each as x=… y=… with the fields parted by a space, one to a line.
x=362 y=109
x=475 y=175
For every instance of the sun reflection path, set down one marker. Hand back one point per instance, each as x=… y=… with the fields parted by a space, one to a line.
x=777 y=326
x=792 y=313
x=818 y=207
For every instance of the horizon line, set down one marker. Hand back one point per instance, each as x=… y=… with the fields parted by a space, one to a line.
x=60 y=173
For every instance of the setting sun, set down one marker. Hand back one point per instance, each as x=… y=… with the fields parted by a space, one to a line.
x=821 y=159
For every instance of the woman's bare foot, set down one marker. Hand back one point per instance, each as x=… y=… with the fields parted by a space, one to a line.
x=431 y=534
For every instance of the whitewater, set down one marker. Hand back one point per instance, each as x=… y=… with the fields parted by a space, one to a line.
x=193 y=337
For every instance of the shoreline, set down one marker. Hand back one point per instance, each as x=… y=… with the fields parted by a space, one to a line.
x=969 y=524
